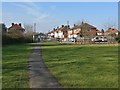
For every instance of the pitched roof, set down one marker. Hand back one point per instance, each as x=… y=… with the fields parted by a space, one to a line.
x=111 y=30
x=63 y=28
x=16 y=27
x=84 y=25
x=98 y=31
x=42 y=34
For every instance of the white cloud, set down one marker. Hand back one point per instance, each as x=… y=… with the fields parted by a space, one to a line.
x=31 y=14
x=33 y=10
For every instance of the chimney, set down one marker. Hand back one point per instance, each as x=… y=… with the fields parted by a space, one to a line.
x=74 y=25
x=68 y=26
x=82 y=22
x=20 y=24
x=54 y=29
x=12 y=24
x=62 y=26
x=113 y=29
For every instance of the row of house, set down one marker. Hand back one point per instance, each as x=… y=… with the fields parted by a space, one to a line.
x=65 y=32
x=82 y=30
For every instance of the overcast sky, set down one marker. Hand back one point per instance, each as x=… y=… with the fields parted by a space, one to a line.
x=49 y=15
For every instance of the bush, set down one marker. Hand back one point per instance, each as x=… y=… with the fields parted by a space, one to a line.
x=118 y=39
x=15 y=36
x=10 y=39
x=28 y=38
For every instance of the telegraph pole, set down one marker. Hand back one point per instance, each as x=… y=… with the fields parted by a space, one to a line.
x=67 y=23
x=35 y=27
x=34 y=31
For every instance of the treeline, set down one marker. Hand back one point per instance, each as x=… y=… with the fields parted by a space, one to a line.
x=14 y=36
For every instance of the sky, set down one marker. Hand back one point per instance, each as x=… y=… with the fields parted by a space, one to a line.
x=49 y=15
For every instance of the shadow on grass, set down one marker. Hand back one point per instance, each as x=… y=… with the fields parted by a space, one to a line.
x=57 y=44
x=49 y=44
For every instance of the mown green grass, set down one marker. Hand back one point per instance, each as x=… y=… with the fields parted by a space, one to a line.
x=14 y=66
x=82 y=66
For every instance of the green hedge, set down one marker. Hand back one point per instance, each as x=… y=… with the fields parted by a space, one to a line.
x=15 y=38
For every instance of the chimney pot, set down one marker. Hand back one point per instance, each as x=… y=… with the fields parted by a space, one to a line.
x=82 y=22
x=54 y=28
x=68 y=26
x=62 y=25
x=12 y=24
x=20 y=24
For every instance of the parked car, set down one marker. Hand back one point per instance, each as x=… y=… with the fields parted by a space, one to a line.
x=99 y=39
x=73 y=39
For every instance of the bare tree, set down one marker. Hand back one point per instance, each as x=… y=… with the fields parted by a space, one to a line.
x=29 y=32
x=78 y=22
x=28 y=28
x=110 y=24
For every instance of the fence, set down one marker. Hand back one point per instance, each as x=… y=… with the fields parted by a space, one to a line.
x=88 y=40
x=84 y=40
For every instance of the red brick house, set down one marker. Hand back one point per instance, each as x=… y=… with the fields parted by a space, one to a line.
x=99 y=32
x=16 y=27
x=111 y=31
x=65 y=29
x=84 y=29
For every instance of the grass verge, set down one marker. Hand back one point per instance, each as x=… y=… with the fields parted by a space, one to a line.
x=82 y=66
x=14 y=66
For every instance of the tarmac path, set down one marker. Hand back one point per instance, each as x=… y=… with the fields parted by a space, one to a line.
x=39 y=75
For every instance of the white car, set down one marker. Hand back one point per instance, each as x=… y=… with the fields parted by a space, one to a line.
x=73 y=39
x=103 y=39
x=99 y=39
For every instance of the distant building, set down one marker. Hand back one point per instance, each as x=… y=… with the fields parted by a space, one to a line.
x=16 y=27
x=111 y=31
x=40 y=37
x=82 y=30
x=99 y=33
x=59 y=33
x=50 y=35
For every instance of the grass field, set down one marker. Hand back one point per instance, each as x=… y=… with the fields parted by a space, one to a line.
x=82 y=66
x=14 y=66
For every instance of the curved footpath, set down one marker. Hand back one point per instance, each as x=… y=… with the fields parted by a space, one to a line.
x=40 y=77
